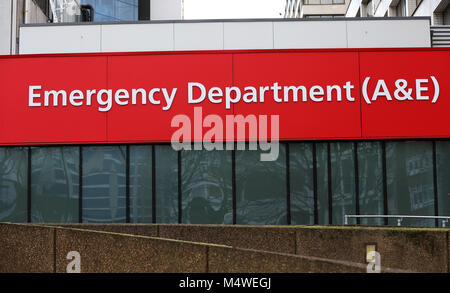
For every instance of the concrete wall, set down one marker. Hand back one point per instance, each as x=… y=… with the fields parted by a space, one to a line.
x=228 y=35
x=412 y=249
x=30 y=248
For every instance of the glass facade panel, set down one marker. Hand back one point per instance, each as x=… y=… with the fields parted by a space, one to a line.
x=54 y=184
x=104 y=184
x=343 y=181
x=322 y=182
x=113 y=10
x=206 y=184
x=370 y=173
x=302 y=183
x=206 y=187
x=409 y=167
x=13 y=184
x=260 y=189
x=443 y=177
x=141 y=188
x=166 y=173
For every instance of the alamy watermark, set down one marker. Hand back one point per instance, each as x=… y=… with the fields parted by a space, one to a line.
x=227 y=134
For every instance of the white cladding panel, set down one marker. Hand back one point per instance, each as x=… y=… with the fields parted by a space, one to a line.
x=228 y=35
x=248 y=35
x=61 y=39
x=393 y=33
x=198 y=36
x=310 y=34
x=137 y=37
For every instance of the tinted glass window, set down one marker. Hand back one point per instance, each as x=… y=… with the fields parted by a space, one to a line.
x=343 y=181
x=113 y=10
x=166 y=164
x=370 y=173
x=13 y=184
x=104 y=184
x=443 y=177
x=410 y=181
x=260 y=188
x=322 y=182
x=141 y=184
x=206 y=187
x=302 y=184
x=54 y=184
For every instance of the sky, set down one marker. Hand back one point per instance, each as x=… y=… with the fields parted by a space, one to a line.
x=222 y=9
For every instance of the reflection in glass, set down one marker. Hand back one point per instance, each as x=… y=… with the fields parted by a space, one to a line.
x=302 y=184
x=343 y=181
x=113 y=10
x=409 y=167
x=443 y=177
x=13 y=184
x=54 y=184
x=166 y=172
x=104 y=184
x=322 y=182
x=370 y=171
x=206 y=187
x=260 y=188
x=141 y=184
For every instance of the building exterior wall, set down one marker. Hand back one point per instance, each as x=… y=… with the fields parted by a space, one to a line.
x=166 y=9
x=5 y=26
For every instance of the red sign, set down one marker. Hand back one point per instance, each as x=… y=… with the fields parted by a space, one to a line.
x=134 y=97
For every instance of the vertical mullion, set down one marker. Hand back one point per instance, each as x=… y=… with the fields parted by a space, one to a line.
x=127 y=183
x=355 y=144
x=385 y=200
x=80 y=184
x=288 y=187
x=316 y=211
x=29 y=186
x=435 y=191
x=233 y=183
x=153 y=185
x=330 y=186
x=180 y=216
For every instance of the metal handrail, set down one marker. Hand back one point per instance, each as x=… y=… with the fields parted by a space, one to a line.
x=400 y=218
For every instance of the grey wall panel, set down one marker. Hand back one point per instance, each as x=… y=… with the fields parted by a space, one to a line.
x=248 y=35
x=60 y=39
x=389 y=33
x=199 y=36
x=137 y=37
x=310 y=34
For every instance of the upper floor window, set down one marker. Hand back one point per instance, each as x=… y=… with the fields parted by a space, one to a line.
x=323 y=2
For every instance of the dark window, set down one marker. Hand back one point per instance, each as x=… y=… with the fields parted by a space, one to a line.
x=343 y=181
x=206 y=187
x=301 y=183
x=322 y=182
x=260 y=189
x=141 y=184
x=166 y=169
x=13 y=184
x=410 y=181
x=370 y=173
x=54 y=184
x=104 y=184
x=443 y=177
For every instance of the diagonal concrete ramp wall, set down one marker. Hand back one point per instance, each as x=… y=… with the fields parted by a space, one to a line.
x=28 y=248
x=415 y=249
